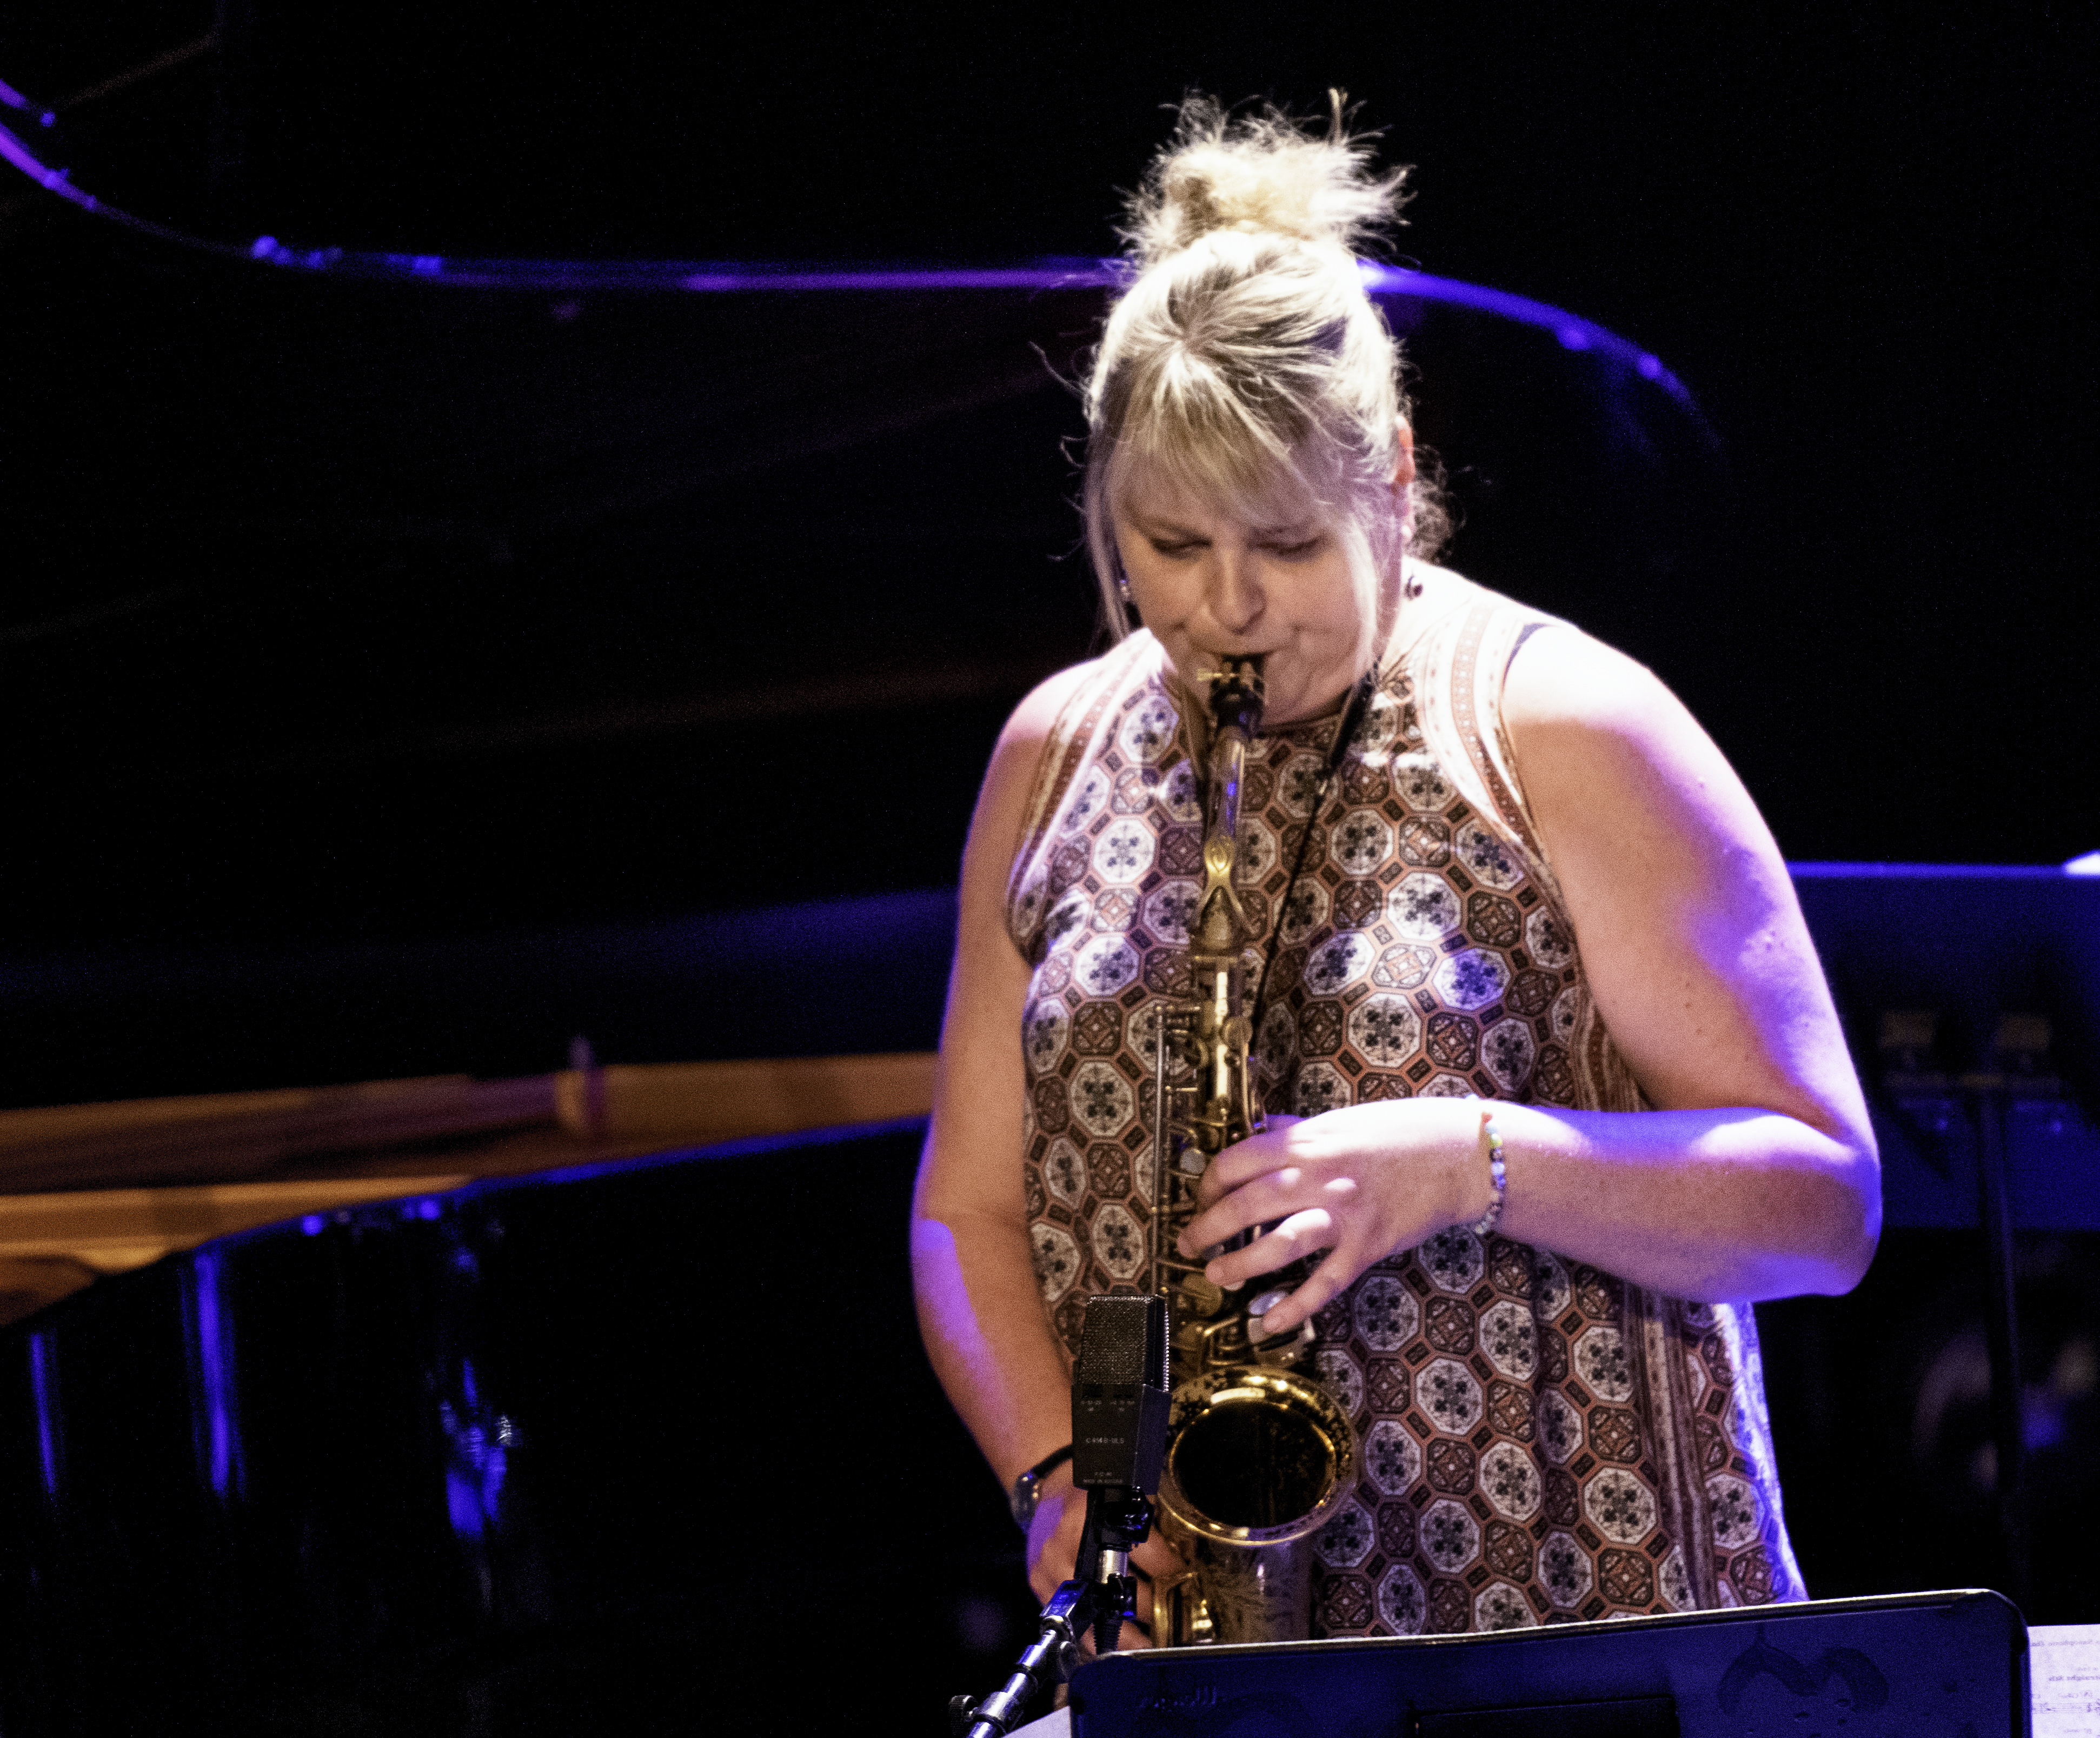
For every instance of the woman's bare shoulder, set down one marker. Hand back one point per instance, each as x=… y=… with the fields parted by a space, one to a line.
x=1032 y=721
x=1690 y=931
x=1029 y=726
x=1560 y=674
x=1603 y=745
x=1016 y=757
x=1016 y=765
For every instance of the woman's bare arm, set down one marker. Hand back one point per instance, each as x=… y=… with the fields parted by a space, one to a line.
x=1705 y=976
x=1755 y=1176
x=979 y=1307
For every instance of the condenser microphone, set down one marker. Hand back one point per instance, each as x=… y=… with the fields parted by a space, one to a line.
x=1119 y=1441
x=1120 y=1397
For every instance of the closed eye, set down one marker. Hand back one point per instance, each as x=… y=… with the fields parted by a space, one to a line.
x=1298 y=551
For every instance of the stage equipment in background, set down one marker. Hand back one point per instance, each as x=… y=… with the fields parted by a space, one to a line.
x=1969 y=997
x=1118 y=1437
x=1918 y=1665
x=460 y=1465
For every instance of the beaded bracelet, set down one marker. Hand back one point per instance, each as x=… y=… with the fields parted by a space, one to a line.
x=1497 y=1174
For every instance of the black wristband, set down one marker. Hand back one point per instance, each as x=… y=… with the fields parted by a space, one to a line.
x=1027 y=1490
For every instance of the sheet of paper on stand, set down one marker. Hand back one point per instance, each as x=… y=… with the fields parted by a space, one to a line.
x=2063 y=1667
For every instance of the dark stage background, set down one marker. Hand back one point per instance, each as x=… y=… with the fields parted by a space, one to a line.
x=1861 y=239
x=343 y=621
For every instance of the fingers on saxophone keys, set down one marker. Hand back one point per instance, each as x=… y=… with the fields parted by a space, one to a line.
x=1245 y=1160
x=1207 y=1234
x=1298 y=1235
x=1225 y=1174
x=1318 y=1289
x=1257 y=1204
x=1202 y=1234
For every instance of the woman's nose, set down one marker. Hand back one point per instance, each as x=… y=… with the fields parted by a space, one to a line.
x=1236 y=598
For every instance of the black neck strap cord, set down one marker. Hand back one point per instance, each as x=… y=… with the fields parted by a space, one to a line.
x=1352 y=715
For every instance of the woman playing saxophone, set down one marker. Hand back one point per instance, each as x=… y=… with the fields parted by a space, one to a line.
x=1552 y=1083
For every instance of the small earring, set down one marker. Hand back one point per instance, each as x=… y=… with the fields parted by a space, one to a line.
x=1410 y=584
x=1123 y=586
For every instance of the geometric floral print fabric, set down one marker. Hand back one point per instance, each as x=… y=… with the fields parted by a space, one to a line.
x=1541 y=1441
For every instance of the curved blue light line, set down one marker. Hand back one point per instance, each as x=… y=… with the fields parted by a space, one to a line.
x=716 y=277
x=1573 y=331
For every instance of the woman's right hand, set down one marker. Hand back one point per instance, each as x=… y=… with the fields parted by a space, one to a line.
x=1053 y=1548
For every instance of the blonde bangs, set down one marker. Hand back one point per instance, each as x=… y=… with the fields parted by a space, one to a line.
x=1205 y=445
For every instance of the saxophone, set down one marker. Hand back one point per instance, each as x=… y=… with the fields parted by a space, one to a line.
x=1258 y=1454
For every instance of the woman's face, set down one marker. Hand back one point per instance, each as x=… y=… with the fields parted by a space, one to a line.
x=1211 y=586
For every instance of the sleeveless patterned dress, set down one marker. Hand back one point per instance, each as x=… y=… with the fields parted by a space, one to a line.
x=1541 y=1441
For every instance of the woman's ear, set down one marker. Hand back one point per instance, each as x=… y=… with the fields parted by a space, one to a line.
x=1403 y=472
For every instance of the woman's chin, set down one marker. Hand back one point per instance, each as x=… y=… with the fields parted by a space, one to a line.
x=1301 y=705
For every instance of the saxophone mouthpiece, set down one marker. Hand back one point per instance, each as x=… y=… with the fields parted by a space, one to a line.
x=1237 y=689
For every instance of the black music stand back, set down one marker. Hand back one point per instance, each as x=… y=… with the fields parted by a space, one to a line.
x=1913 y=1665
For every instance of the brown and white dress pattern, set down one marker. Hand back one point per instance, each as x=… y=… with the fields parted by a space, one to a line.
x=1541 y=1441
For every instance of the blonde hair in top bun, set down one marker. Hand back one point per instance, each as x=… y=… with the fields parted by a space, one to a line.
x=1243 y=360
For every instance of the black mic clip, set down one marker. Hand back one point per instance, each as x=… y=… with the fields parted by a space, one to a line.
x=1118 y=1520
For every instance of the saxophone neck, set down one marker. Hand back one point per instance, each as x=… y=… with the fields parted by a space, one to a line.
x=1235 y=702
x=1235 y=718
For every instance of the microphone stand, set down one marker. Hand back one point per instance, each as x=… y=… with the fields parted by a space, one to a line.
x=1118 y=1442
x=1098 y=1597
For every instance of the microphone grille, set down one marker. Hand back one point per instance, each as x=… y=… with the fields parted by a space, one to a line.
x=1118 y=1342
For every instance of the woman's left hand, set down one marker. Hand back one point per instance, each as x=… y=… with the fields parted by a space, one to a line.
x=1360 y=1183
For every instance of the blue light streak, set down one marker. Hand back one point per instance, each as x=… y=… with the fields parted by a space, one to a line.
x=1819 y=872
x=217 y=1434
x=43 y=1388
x=477 y=1463
x=734 y=277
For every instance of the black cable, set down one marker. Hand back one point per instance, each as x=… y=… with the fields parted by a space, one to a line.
x=1351 y=716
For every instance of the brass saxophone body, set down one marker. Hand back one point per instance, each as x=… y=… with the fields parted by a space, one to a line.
x=1258 y=1454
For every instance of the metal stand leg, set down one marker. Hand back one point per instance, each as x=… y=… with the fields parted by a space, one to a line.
x=1987 y=1108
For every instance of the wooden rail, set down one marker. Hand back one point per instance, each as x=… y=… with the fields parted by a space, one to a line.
x=99 y=1189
